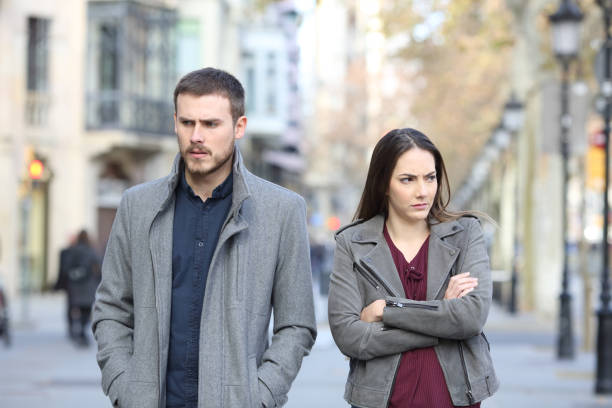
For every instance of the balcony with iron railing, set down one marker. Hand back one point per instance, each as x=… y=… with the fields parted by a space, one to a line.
x=116 y=110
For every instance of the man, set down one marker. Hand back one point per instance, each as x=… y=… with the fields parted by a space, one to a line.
x=79 y=275
x=194 y=265
x=62 y=283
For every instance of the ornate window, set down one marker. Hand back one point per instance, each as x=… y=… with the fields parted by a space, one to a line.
x=37 y=99
x=130 y=66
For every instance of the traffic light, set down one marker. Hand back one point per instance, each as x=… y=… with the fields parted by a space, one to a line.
x=35 y=170
x=333 y=223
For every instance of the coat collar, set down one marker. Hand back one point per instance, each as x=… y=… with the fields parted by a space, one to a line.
x=240 y=190
x=441 y=257
x=371 y=230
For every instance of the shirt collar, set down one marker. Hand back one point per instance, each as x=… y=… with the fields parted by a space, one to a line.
x=221 y=191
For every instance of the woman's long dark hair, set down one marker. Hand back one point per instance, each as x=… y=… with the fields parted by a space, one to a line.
x=387 y=151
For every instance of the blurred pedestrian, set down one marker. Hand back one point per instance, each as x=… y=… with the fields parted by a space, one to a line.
x=5 y=331
x=79 y=275
x=411 y=287
x=195 y=263
x=62 y=281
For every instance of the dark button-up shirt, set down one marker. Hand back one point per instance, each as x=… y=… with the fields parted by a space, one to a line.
x=196 y=230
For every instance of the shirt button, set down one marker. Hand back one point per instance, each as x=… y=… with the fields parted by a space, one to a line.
x=200 y=244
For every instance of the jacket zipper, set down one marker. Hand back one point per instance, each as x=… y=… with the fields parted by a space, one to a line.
x=469 y=394
x=367 y=276
x=373 y=274
x=393 y=303
x=486 y=340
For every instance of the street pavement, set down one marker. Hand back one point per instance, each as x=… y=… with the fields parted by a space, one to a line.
x=44 y=369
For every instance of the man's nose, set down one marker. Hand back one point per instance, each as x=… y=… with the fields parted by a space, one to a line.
x=197 y=136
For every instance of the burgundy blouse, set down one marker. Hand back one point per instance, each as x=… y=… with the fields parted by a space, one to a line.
x=419 y=381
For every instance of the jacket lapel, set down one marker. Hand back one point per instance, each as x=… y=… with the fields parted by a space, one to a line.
x=378 y=260
x=235 y=221
x=441 y=257
x=160 y=244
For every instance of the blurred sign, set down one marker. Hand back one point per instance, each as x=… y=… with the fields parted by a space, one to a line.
x=597 y=139
x=595 y=162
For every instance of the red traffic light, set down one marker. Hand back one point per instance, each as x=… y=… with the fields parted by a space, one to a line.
x=333 y=223
x=36 y=169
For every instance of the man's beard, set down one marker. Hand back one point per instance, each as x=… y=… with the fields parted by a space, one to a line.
x=194 y=167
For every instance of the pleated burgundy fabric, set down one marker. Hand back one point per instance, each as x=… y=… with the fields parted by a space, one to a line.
x=419 y=381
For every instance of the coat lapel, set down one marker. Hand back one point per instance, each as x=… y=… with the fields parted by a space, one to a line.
x=160 y=245
x=378 y=259
x=441 y=257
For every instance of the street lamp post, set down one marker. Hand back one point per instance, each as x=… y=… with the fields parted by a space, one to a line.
x=603 y=384
x=512 y=121
x=566 y=39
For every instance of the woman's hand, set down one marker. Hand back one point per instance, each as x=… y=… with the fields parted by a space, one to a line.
x=374 y=311
x=459 y=286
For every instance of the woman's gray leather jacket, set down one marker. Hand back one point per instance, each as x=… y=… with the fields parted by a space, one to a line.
x=364 y=271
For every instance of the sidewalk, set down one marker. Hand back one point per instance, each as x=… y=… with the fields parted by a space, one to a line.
x=43 y=369
x=523 y=348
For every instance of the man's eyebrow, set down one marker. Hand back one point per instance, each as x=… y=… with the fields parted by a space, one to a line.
x=182 y=118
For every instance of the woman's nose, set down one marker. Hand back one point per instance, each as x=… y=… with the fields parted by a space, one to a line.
x=421 y=190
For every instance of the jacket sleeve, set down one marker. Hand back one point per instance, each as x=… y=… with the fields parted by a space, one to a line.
x=354 y=337
x=450 y=318
x=294 y=330
x=113 y=313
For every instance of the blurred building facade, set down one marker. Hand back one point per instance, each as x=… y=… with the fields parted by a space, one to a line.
x=344 y=124
x=270 y=64
x=42 y=114
x=86 y=91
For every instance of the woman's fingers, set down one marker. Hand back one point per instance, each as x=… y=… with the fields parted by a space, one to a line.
x=373 y=312
x=465 y=292
x=460 y=285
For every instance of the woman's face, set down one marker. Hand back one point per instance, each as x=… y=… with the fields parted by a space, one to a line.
x=413 y=186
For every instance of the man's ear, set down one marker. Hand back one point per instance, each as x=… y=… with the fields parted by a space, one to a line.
x=240 y=127
x=175 y=127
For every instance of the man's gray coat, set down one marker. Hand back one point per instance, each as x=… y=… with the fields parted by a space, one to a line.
x=261 y=262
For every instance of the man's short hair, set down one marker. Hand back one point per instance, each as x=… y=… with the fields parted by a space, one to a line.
x=212 y=81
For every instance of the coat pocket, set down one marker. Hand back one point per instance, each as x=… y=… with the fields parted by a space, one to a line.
x=236 y=396
x=139 y=394
x=254 y=383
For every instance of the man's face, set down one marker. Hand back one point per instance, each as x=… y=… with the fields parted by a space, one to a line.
x=206 y=133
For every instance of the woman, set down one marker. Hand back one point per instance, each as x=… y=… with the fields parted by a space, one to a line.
x=411 y=288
